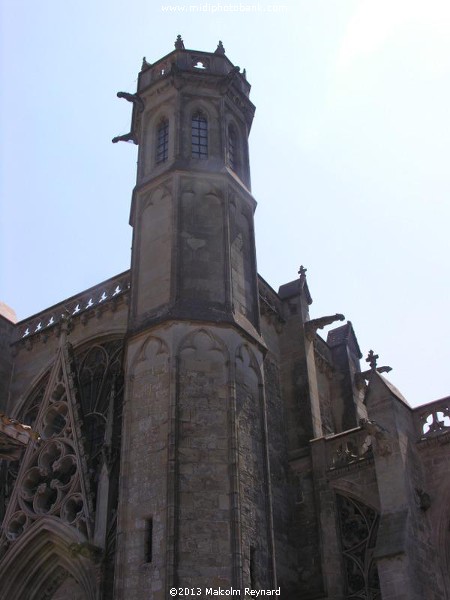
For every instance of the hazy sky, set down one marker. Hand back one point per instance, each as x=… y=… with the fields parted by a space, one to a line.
x=350 y=152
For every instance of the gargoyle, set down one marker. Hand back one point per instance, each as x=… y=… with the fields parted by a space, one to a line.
x=127 y=137
x=134 y=98
x=314 y=324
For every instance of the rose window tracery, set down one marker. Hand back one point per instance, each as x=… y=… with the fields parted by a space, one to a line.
x=76 y=409
x=51 y=478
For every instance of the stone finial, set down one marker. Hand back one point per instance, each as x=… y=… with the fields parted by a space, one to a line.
x=302 y=271
x=220 y=49
x=179 y=44
x=65 y=326
x=372 y=360
x=244 y=73
x=145 y=65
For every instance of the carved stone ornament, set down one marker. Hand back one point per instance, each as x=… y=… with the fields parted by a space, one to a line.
x=52 y=479
x=382 y=441
x=314 y=324
x=220 y=49
x=134 y=98
x=127 y=137
x=145 y=65
x=179 y=44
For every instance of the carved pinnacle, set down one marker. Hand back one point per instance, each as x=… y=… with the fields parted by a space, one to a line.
x=220 y=49
x=145 y=65
x=179 y=44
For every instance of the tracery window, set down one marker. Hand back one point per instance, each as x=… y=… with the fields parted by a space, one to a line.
x=199 y=146
x=162 y=141
x=76 y=409
x=358 y=527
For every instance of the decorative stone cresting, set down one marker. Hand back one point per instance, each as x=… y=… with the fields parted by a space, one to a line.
x=350 y=448
x=433 y=419
x=93 y=298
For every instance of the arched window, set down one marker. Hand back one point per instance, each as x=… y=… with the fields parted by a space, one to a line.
x=359 y=527
x=199 y=146
x=233 y=154
x=162 y=141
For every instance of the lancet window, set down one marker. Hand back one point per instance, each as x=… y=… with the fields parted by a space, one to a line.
x=232 y=148
x=162 y=141
x=199 y=147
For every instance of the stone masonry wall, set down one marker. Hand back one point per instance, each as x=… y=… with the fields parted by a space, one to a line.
x=194 y=462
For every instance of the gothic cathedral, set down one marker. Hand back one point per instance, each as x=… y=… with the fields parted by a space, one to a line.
x=183 y=429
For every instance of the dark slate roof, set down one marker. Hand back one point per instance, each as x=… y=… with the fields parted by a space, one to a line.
x=293 y=289
x=344 y=334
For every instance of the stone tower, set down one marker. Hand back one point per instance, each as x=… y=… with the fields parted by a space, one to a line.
x=194 y=499
x=182 y=424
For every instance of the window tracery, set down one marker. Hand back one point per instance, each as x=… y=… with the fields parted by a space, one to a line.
x=71 y=409
x=358 y=527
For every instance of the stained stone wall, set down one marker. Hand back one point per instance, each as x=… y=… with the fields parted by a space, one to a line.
x=205 y=489
x=202 y=242
x=195 y=462
x=434 y=454
x=144 y=470
x=205 y=416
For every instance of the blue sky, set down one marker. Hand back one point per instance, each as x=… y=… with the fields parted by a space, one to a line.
x=349 y=154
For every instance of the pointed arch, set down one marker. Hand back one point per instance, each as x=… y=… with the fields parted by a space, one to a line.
x=27 y=409
x=150 y=348
x=162 y=140
x=359 y=493
x=233 y=147
x=358 y=525
x=203 y=340
x=246 y=360
x=151 y=150
x=41 y=559
x=199 y=135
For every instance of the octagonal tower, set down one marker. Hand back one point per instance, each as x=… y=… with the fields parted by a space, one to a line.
x=195 y=505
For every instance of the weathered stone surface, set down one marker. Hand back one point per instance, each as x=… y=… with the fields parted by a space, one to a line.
x=196 y=431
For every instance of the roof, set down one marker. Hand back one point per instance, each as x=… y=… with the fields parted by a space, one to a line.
x=344 y=334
